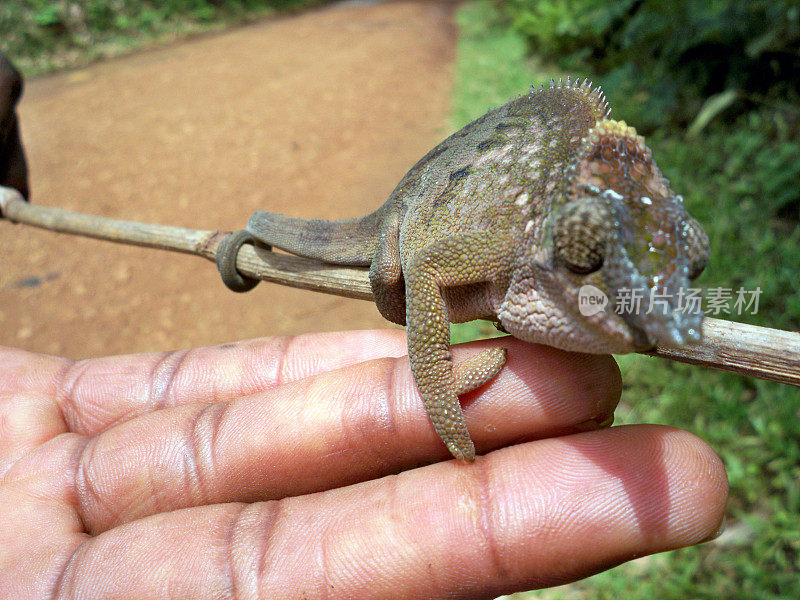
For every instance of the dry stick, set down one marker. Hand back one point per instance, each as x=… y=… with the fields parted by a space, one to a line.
x=771 y=354
x=254 y=262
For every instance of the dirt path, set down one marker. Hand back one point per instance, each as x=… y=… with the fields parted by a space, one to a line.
x=314 y=115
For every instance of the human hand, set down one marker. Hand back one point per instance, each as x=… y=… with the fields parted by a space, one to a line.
x=289 y=467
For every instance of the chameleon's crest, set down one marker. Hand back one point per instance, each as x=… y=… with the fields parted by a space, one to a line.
x=616 y=158
x=617 y=162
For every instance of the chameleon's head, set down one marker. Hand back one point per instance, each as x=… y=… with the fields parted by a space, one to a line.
x=620 y=229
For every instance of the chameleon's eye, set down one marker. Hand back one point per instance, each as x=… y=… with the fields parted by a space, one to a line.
x=696 y=247
x=580 y=236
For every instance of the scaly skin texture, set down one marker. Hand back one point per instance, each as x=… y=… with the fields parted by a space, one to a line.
x=507 y=220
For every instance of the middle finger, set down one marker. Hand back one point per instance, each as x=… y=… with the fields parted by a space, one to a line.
x=333 y=429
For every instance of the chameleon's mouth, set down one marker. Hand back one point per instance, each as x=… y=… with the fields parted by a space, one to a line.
x=674 y=331
x=653 y=291
x=663 y=320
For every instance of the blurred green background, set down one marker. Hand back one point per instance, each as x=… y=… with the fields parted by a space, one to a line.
x=715 y=87
x=45 y=35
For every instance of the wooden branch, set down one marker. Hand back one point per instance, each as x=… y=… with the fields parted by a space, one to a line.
x=258 y=263
x=761 y=352
x=771 y=354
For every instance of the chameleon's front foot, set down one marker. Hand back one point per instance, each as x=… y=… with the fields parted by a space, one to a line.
x=470 y=258
x=444 y=407
x=478 y=369
x=463 y=451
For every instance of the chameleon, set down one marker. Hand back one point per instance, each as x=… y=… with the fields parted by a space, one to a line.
x=512 y=219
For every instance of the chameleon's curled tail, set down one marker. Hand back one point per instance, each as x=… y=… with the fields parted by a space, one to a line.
x=351 y=242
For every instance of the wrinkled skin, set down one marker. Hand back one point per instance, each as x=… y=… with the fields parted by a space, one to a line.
x=13 y=168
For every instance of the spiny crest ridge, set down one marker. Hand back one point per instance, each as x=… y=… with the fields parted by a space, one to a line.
x=590 y=91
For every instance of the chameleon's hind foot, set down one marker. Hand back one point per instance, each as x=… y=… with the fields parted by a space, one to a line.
x=481 y=368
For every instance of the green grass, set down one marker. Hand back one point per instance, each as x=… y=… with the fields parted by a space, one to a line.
x=40 y=36
x=734 y=179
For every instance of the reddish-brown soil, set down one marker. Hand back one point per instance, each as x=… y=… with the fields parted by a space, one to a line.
x=312 y=115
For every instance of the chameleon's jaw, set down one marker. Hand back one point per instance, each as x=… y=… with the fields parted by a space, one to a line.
x=673 y=329
x=585 y=315
x=647 y=327
x=658 y=308
x=616 y=309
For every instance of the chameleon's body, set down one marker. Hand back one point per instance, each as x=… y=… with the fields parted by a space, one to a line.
x=506 y=220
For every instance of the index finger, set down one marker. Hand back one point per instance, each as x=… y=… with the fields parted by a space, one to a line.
x=92 y=395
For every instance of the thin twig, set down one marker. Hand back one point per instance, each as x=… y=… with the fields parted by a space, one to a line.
x=771 y=354
x=257 y=263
